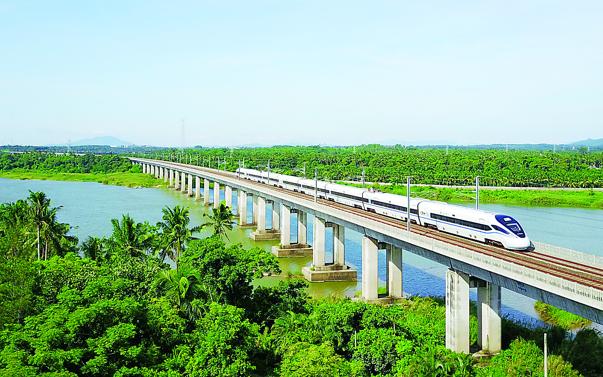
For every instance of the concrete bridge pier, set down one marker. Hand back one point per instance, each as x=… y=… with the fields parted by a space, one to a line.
x=370 y=276
x=206 y=191
x=254 y=209
x=228 y=196
x=144 y=168
x=320 y=270
x=393 y=256
x=276 y=216
x=393 y=271
x=457 y=311
x=155 y=171
x=302 y=228
x=161 y=170
x=190 y=185
x=216 y=195
x=176 y=180
x=488 y=316
x=286 y=248
x=171 y=174
x=197 y=188
x=183 y=182
x=261 y=233
x=242 y=205
x=166 y=173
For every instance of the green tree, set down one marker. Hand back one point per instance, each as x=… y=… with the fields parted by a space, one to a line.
x=228 y=271
x=14 y=230
x=130 y=237
x=588 y=363
x=55 y=235
x=181 y=287
x=16 y=290
x=223 y=343
x=378 y=349
x=311 y=360
x=524 y=358
x=221 y=220
x=95 y=248
x=39 y=206
x=175 y=232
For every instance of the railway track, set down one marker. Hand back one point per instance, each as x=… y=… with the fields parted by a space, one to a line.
x=580 y=273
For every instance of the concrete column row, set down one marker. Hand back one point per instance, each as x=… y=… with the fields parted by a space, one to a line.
x=457 y=282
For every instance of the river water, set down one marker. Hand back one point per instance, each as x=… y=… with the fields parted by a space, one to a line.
x=89 y=207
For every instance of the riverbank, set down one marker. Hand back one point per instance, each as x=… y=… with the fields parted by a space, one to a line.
x=127 y=179
x=529 y=198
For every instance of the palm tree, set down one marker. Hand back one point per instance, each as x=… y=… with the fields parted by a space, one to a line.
x=130 y=237
x=181 y=286
x=55 y=235
x=220 y=220
x=14 y=222
x=94 y=248
x=43 y=218
x=175 y=232
x=39 y=205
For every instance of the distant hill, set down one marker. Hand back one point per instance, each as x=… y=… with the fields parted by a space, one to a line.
x=102 y=140
x=593 y=143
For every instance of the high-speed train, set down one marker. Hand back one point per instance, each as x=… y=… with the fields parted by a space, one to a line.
x=490 y=228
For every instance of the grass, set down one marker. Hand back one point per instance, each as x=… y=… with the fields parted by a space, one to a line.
x=128 y=179
x=558 y=317
x=527 y=198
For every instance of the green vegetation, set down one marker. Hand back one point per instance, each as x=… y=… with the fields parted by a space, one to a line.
x=389 y=165
x=128 y=179
x=558 y=317
x=64 y=163
x=111 y=306
x=427 y=166
x=537 y=198
x=105 y=169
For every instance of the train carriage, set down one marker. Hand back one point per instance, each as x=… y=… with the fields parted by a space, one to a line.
x=494 y=229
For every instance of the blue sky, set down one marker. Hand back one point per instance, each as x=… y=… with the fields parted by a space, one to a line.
x=301 y=72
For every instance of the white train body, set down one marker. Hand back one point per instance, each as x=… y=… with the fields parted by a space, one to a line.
x=491 y=228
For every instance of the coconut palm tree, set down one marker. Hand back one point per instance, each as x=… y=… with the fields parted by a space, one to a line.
x=175 y=232
x=55 y=235
x=130 y=237
x=221 y=220
x=181 y=286
x=14 y=223
x=39 y=204
x=94 y=248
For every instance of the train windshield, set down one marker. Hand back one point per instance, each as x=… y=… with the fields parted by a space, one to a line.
x=511 y=224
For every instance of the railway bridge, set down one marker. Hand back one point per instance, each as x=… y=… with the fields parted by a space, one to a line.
x=565 y=278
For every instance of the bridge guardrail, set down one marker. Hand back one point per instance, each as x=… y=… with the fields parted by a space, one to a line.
x=521 y=272
x=573 y=255
x=563 y=284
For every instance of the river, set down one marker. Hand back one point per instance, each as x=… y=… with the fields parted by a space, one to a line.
x=89 y=207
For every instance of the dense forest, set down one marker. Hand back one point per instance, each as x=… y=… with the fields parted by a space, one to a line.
x=155 y=300
x=64 y=163
x=577 y=169
x=65 y=149
x=573 y=169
